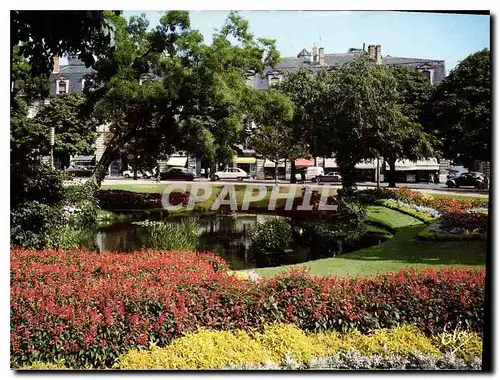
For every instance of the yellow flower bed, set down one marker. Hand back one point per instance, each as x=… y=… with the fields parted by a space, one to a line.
x=215 y=350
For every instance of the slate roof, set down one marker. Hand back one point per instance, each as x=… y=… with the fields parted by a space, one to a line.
x=291 y=64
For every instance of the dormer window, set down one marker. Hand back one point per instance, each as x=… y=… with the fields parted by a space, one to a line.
x=427 y=74
x=62 y=86
x=274 y=78
x=427 y=71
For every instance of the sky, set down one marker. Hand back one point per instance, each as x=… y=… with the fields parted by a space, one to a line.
x=448 y=37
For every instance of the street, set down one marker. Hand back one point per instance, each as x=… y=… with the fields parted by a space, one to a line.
x=423 y=187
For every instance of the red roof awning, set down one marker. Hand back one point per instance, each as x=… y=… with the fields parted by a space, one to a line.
x=304 y=162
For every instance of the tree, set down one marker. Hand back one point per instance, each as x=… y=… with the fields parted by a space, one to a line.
x=302 y=88
x=74 y=132
x=360 y=114
x=459 y=112
x=408 y=140
x=44 y=34
x=274 y=137
x=198 y=97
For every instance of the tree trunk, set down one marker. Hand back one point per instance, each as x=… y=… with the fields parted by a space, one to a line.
x=135 y=168
x=392 y=172
x=276 y=174
x=293 y=171
x=102 y=167
x=347 y=168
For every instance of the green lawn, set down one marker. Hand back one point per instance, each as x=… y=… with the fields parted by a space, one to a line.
x=402 y=251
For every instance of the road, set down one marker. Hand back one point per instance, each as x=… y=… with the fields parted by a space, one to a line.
x=423 y=187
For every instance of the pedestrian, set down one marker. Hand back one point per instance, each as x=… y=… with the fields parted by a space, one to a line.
x=431 y=178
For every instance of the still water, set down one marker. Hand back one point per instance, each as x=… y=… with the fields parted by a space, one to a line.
x=228 y=236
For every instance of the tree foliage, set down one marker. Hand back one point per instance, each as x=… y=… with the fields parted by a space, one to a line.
x=196 y=97
x=44 y=34
x=459 y=112
x=74 y=131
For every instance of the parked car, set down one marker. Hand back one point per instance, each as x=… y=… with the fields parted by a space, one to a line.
x=80 y=171
x=177 y=173
x=313 y=172
x=140 y=174
x=466 y=179
x=330 y=177
x=231 y=173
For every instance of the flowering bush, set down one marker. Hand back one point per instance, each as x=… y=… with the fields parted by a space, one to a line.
x=130 y=200
x=88 y=308
x=410 y=197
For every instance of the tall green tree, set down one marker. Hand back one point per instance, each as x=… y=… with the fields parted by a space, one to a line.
x=408 y=140
x=274 y=137
x=199 y=97
x=360 y=114
x=459 y=112
x=75 y=133
x=303 y=89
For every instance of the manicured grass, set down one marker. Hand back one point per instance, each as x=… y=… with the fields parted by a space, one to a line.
x=402 y=251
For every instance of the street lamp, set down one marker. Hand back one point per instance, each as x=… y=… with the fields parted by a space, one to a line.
x=51 y=142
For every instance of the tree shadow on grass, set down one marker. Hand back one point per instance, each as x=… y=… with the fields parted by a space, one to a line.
x=405 y=247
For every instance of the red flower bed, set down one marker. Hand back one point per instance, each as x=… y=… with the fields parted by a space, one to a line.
x=88 y=308
x=130 y=200
x=404 y=194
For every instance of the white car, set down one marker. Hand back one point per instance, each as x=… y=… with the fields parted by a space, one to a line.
x=231 y=173
x=313 y=172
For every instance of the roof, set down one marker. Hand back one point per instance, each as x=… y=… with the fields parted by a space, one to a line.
x=338 y=59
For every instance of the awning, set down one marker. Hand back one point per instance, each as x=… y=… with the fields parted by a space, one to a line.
x=270 y=164
x=330 y=163
x=368 y=164
x=405 y=165
x=304 y=162
x=245 y=160
x=177 y=161
x=83 y=158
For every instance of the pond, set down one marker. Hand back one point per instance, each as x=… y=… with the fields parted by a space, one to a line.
x=229 y=237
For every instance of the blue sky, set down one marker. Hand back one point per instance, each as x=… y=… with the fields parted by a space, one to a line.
x=448 y=37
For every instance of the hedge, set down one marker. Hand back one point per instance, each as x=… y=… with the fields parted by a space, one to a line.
x=130 y=200
x=88 y=308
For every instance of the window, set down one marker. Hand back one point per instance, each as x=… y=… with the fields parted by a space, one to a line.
x=427 y=74
x=62 y=86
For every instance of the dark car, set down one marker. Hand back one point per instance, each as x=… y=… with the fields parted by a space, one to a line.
x=177 y=173
x=80 y=171
x=330 y=177
x=466 y=179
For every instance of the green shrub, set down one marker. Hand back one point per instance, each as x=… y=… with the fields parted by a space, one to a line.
x=171 y=236
x=274 y=235
x=422 y=216
x=430 y=235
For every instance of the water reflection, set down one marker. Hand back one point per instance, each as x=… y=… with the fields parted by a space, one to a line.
x=228 y=236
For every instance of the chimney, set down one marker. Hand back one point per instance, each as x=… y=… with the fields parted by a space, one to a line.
x=321 y=56
x=378 y=54
x=315 y=54
x=55 y=67
x=371 y=51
